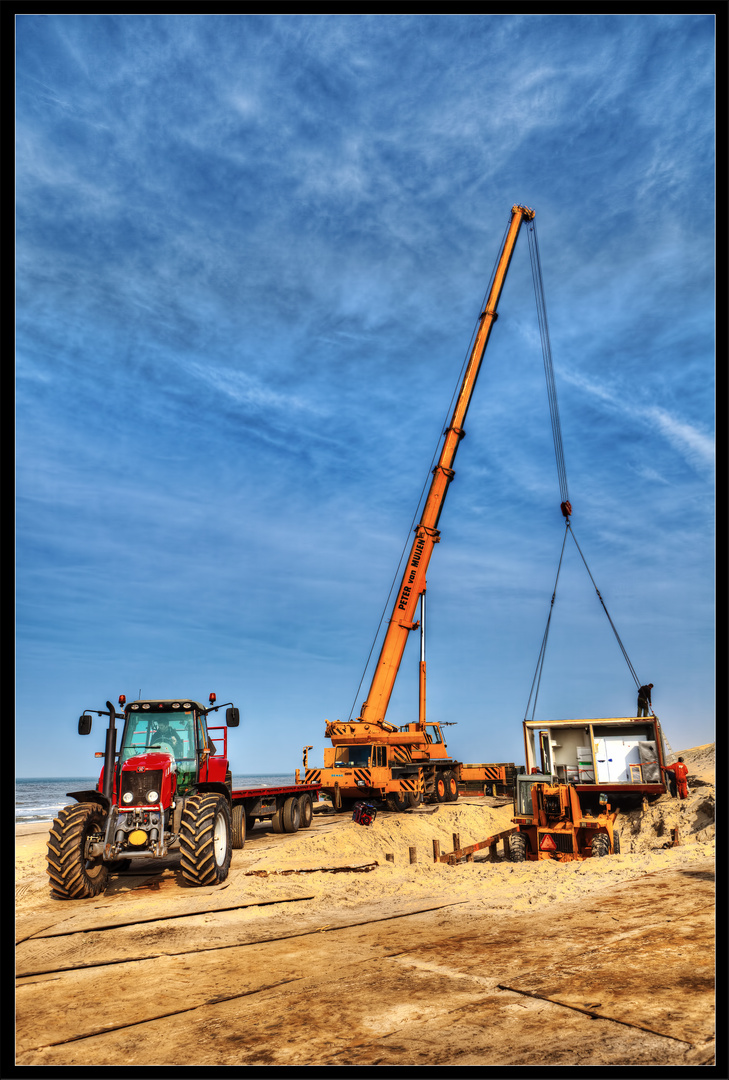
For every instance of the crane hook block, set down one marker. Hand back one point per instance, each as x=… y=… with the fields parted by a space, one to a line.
x=566 y=508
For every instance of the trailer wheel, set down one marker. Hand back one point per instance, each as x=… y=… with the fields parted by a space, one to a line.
x=306 y=810
x=616 y=843
x=205 y=841
x=441 y=788
x=451 y=787
x=600 y=845
x=291 y=815
x=238 y=826
x=517 y=847
x=73 y=876
x=277 y=821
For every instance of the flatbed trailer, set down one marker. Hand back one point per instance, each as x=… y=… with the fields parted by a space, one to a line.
x=290 y=808
x=496 y=778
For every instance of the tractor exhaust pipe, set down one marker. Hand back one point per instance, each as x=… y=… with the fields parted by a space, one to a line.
x=110 y=753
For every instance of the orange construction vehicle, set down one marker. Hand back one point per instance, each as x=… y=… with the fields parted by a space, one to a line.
x=554 y=825
x=369 y=757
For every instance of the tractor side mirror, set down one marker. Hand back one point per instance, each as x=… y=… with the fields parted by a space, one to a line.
x=84 y=725
x=232 y=717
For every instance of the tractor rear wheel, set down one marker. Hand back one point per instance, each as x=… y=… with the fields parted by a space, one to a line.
x=306 y=811
x=75 y=876
x=451 y=787
x=238 y=826
x=205 y=839
x=517 y=848
x=600 y=845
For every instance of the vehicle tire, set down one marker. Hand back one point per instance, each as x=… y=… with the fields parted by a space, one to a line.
x=414 y=799
x=277 y=821
x=441 y=788
x=616 y=842
x=291 y=815
x=451 y=787
x=205 y=839
x=600 y=845
x=517 y=847
x=250 y=822
x=238 y=826
x=306 y=810
x=397 y=802
x=73 y=876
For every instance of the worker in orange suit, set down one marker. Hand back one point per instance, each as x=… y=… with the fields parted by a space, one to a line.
x=680 y=773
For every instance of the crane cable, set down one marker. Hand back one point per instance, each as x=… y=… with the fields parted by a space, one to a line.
x=565 y=505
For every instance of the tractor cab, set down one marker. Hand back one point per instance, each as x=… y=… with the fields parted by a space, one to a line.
x=174 y=728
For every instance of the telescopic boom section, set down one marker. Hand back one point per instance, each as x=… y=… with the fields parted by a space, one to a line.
x=426 y=533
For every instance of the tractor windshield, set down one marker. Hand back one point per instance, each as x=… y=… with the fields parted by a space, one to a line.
x=170 y=732
x=352 y=756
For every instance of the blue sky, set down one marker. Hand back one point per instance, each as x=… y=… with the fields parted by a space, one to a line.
x=251 y=252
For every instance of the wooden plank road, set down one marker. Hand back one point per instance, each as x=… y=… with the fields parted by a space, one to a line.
x=622 y=977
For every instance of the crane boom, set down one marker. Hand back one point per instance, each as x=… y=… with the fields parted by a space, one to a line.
x=426 y=533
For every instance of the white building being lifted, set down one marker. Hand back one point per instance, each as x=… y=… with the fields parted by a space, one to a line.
x=618 y=755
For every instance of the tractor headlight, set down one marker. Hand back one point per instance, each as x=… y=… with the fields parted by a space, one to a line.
x=153 y=796
x=127 y=797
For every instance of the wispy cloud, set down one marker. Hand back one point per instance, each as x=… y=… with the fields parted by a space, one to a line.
x=250 y=254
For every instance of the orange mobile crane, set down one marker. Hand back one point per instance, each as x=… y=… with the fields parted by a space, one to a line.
x=369 y=757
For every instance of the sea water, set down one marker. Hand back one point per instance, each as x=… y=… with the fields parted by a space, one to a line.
x=40 y=798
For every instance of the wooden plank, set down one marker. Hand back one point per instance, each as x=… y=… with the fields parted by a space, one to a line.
x=459 y=853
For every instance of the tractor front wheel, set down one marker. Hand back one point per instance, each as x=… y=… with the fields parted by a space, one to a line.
x=73 y=873
x=205 y=839
x=600 y=845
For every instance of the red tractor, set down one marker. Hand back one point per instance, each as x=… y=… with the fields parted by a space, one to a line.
x=168 y=789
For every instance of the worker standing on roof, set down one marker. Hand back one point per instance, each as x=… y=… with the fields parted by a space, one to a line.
x=644 y=700
x=680 y=772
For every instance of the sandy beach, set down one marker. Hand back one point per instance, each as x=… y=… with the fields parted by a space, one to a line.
x=332 y=947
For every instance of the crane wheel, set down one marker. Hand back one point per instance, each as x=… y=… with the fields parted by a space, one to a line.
x=517 y=848
x=291 y=815
x=306 y=811
x=414 y=799
x=441 y=788
x=451 y=787
x=205 y=839
x=238 y=825
x=396 y=803
x=73 y=876
x=600 y=845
